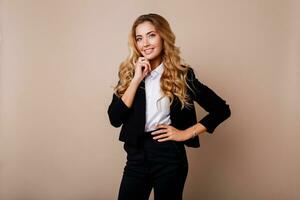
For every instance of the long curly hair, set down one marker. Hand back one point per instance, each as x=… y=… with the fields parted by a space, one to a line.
x=173 y=80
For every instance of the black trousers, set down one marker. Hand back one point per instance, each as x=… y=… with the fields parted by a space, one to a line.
x=162 y=166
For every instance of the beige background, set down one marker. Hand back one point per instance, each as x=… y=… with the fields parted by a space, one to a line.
x=59 y=60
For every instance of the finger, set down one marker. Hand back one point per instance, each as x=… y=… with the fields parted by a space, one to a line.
x=139 y=60
x=163 y=140
x=146 y=65
x=145 y=70
x=162 y=126
x=161 y=136
x=146 y=61
x=143 y=66
x=159 y=131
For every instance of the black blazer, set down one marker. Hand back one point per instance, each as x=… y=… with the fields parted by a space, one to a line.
x=133 y=119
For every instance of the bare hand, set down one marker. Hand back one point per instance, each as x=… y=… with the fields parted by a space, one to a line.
x=168 y=132
x=142 y=68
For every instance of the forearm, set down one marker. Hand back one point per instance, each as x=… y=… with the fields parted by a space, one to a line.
x=129 y=94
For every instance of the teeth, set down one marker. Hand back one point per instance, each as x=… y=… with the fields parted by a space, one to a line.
x=148 y=51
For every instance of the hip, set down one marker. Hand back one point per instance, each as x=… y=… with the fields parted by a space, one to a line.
x=153 y=151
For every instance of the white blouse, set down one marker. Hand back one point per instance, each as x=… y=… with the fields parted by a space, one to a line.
x=157 y=112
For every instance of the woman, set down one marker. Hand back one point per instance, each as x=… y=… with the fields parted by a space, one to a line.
x=153 y=101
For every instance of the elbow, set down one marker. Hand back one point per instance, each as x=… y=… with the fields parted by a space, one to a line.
x=114 y=120
x=213 y=119
x=115 y=124
x=222 y=113
x=227 y=112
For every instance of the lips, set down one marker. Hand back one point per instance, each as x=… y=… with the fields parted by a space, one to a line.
x=148 y=51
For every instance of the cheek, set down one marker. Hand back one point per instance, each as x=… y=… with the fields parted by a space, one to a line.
x=159 y=46
x=139 y=46
x=159 y=43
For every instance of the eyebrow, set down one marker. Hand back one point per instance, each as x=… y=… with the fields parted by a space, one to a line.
x=146 y=33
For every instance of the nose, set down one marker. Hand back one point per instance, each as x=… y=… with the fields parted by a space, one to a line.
x=145 y=42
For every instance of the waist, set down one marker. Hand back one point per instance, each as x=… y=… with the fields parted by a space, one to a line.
x=147 y=134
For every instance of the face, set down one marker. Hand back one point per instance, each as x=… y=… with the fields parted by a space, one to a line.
x=149 y=42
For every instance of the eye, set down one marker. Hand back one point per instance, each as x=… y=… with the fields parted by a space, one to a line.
x=152 y=35
x=138 y=39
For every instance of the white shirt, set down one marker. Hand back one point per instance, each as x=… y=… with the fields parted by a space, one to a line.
x=157 y=112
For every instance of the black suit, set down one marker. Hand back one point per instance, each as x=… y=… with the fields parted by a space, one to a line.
x=133 y=118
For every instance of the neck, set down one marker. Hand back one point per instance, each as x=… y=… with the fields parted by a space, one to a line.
x=155 y=63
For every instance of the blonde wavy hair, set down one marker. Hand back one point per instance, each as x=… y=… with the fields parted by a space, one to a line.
x=173 y=80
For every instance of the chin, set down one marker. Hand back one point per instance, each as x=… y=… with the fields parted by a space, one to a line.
x=150 y=57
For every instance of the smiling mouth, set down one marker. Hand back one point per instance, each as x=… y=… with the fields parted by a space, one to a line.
x=148 y=51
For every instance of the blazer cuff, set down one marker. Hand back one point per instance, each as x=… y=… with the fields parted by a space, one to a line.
x=208 y=124
x=214 y=119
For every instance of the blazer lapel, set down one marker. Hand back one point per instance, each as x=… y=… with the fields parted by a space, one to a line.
x=140 y=99
x=175 y=107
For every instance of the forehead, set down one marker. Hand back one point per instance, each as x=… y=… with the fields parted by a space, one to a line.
x=144 y=28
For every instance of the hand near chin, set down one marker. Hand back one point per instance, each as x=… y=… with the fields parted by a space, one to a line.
x=142 y=68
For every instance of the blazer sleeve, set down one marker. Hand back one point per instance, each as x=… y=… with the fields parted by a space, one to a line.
x=217 y=108
x=117 y=111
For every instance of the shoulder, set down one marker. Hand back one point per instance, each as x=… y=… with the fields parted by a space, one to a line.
x=190 y=74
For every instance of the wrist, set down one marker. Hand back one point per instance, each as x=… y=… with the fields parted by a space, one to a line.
x=135 y=81
x=190 y=133
x=194 y=132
